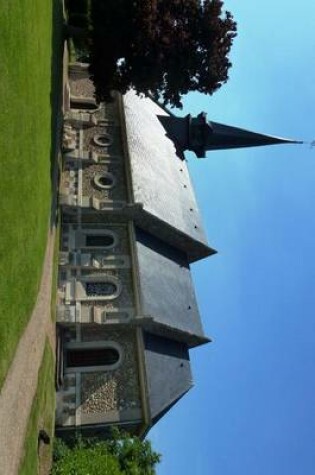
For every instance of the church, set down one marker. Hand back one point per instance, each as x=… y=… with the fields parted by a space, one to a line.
x=127 y=316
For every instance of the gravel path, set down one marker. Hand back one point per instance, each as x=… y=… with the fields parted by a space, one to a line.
x=18 y=391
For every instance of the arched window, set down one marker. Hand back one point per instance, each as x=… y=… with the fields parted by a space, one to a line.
x=99 y=240
x=87 y=357
x=100 y=289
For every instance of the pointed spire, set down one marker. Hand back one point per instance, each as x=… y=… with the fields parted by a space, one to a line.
x=199 y=135
x=224 y=136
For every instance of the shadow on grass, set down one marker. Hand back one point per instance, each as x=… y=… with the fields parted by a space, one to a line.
x=56 y=102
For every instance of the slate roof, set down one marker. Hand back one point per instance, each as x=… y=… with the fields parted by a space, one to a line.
x=169 y=235
x=167 y=291
x=168 y=373
x=161 y=180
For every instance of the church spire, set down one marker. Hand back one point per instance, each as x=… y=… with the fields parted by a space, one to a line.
x=199 y=135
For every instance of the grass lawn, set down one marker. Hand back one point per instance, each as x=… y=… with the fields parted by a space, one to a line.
x=41 y=417
x=30 y=34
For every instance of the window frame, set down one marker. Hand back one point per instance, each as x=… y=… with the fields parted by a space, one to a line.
x=97 y=139
x=99 y=176
x=86 y=345
x=81 y=294
x=97 y=232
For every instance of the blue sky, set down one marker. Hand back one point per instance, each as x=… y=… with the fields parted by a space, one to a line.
x=252 y=410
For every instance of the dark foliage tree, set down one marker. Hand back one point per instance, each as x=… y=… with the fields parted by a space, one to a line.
x=162 y=47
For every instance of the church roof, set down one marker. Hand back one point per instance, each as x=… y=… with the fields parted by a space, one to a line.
x=168 y=372
x=161 y=181
x=167 y=291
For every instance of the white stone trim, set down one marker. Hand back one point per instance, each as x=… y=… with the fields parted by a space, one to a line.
x=103 y=316
x=78 y=399
x=80 y=186
x=107 y=205
x=80 y=141
x=78 y=312
x=104 y=157
x=106 y=123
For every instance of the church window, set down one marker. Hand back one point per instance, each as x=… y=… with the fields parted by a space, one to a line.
x=83 y=104
x=102 y=140
x=99 y=240
x=104 y=180
x=100 y=289
x=87 y=357
x=102 y=238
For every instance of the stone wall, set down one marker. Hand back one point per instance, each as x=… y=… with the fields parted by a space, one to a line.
x=81 y=87
x=93 y=153
x=116 y=390
x=117 y=192
x=113 y=133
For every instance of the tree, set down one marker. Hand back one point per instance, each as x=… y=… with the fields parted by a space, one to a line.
x=165 y=48
x=121 y=455
x=83 y=459
x=135 y=456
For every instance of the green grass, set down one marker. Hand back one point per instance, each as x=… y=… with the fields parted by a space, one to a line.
x=41 y=417
x=28 y=42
